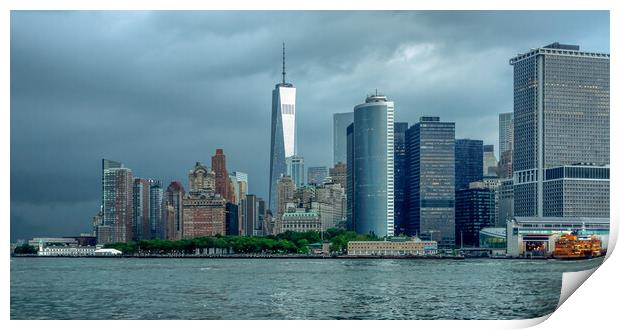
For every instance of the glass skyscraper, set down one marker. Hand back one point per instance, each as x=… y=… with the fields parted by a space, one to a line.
x=340 y=123
x=156 y=215
x=468 y=162
x=400 y=178
x=282 y=132
x=475 y=209
x=430 y=201
x=506 y=136
x=295 y=168
x=317 y=174
x=561 y=117
x=372 y=175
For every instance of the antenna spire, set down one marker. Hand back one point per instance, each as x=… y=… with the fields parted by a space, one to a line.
x=283 y=63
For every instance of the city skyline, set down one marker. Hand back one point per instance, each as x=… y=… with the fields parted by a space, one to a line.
x=89 y=137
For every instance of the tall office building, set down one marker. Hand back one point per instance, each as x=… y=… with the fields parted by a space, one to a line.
x=295 y=168
x=173 y=199
x=506 y=132
x=475 y=209
x=156 y=210
x=240 y=185
x=250 y=215
x=372 y=154
x=117 y=204
x=350 y=178
x=286 y=192
x=141 y=212
x=317 y=174
x=430 y=154
x=223 y=184
x=283 y=134
x=400 y=178
x=561 y=117
x=489 y=161
x=468 y=162
x=340 y=123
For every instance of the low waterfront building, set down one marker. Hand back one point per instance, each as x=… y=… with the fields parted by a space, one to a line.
x=493 y=238
x=413 y=246
x=67 y=251
x=536 y=236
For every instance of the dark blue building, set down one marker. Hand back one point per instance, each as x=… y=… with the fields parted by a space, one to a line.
x=400 y=179
x=468 y=156
x=475 y=209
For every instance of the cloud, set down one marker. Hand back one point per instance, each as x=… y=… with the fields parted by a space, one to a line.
x=161 y=90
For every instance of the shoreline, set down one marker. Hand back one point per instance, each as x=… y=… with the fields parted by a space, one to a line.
x=315 y=257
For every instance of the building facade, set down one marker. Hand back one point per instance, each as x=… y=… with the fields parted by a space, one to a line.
x=372 y=180
x=141 y=211
x=506 y=132
x=338 y=174
x=156 y=210
x=576 y=191
x=173 y=198
x=489 y=161
x=340 y=123
x=430 y=199
x=400 y=178
x=474 y=210
x=317 y=175
x=468 y=158
x=295 y=169
x=283 y=144
x=117 y=202
x=223 y=184
x=561 y=117
x=412 y=247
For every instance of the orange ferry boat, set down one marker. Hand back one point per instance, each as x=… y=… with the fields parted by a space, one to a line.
x=571 y=246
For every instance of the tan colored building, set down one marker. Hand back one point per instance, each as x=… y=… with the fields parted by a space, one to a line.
x=286 y=193
x=414 y=246
x=338 y=174
x=201 y=179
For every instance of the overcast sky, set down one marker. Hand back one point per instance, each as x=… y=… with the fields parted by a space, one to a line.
x=162 y=90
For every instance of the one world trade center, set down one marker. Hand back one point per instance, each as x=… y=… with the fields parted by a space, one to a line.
x=282 y=132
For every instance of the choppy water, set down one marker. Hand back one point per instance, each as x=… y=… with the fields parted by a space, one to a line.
x=87 y=288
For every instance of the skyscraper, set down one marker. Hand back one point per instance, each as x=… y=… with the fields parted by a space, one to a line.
x=295 y=168
x=468 y=162
x=117 y=201
x=283 y=134
x=340 y=123
x=372 y=199
x=400 y=178
x=430 y=154
x=317 y=174
x=223 y=184
x=506 y=129
x=475 y=209
x=561 y=117
x=141 y=212
x=173 y=200
x=338 y=174
x=156 y=211
x=489 y=161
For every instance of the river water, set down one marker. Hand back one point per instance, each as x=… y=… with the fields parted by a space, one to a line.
x=129 y=288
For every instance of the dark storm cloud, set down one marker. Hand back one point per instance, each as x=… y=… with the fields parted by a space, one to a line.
x=161 y=90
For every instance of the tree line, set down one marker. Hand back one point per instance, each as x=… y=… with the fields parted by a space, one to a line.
x=287 y=242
